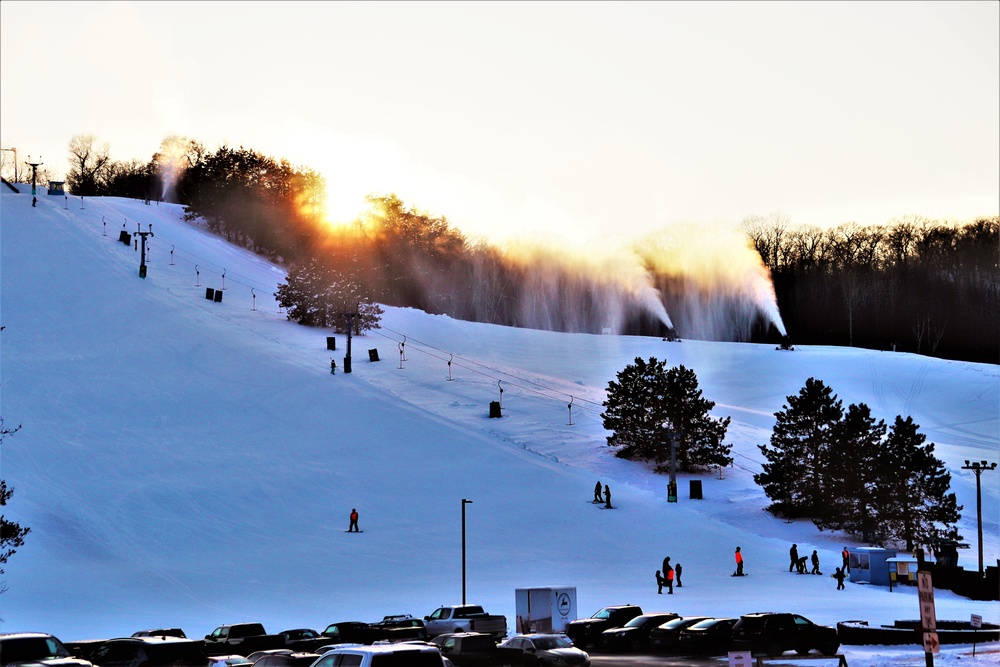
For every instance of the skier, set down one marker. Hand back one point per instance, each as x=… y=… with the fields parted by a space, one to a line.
x=677 y=574
x=354 y=522
x=815 y=562
x=597 y=492
x=670 y=580
x=607 y=497
x=333 y=367
x=839 y=576
x=659 y=583
x=846 y=555
x=739 y=564
x=793 y=554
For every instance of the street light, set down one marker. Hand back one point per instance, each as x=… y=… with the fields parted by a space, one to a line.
x=464 y=503
x=978 y=467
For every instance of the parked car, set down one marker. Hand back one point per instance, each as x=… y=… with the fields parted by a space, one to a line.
x=634 y=635
x=382 y=655
x=664 y=637
x=774 y=633
x=711 y=636
x=584 y=632
x=298 y=659
x=228 y=661
x=257 y=655
x=149 y=652
x=465 y=618
x=241 y=638
x=37 y=648
x=305 y=640
x=478 y=649
x=346 y=632
x=551 y=650
x=161 y=632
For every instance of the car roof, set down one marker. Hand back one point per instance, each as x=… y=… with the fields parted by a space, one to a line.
x=18 y=635
x=384 y=648
x=156 y=639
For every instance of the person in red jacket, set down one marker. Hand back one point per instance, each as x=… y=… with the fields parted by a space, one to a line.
x=739 y=563
x=353 y=528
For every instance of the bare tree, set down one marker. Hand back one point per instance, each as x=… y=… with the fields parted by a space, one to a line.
x=89 y=164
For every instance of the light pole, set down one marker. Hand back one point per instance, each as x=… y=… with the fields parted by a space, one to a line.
x=978 y=467
x=464 y=503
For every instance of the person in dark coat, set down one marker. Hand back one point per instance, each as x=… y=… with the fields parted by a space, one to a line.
x=815 y=562
x=793 y=554
x=607 y=496
x=353 y=528
x=666 y=564
x=839 y=576
x=597 y=493
x=677 y=574
x=659 y=583
x=800 y=565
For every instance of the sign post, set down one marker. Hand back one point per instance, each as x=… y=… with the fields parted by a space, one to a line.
x=977 y=622
x=928 y=618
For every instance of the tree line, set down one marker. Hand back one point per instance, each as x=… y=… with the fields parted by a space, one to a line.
x=913 y=285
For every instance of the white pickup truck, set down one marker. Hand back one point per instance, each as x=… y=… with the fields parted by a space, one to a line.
x=465 y=618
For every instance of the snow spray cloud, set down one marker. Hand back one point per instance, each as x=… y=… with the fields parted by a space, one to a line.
x=712 y=280
x=582 y=289
x=172 y=160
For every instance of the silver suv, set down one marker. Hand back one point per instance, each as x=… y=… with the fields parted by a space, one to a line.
x=36 y=648
x=382 y=655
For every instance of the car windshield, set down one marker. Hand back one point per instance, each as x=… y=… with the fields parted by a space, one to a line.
x=549 y=643
x=604 y=613
x=707 y=623
x=24 y=649
x=637 y=622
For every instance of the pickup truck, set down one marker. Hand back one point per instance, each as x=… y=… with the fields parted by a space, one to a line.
x=241 y=639
x=477 y=649
x=465 y=618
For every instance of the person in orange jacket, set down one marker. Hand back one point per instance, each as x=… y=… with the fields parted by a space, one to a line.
x=739 y=563
x=353 y=528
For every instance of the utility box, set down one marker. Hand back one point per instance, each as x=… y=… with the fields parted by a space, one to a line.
x=373 y=354
x=544 y=609
x=331 y=343
x=695 y=489
x=495 y=412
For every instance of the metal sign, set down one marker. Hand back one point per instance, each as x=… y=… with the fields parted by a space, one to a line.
x=740 y=659
x=925 y=591
x=931 y=644
x=977 y=621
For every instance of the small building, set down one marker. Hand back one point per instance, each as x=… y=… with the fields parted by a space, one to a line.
x=544 y=609
x=870 y=565
x=56 y=188
x=902 y=570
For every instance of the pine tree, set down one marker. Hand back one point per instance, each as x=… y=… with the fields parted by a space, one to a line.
x=852 y=473
x=792 y=476
x=11 y=533
x=648 y=401
x=916 y=505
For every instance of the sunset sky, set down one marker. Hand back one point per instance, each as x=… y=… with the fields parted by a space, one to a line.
x=580 y=119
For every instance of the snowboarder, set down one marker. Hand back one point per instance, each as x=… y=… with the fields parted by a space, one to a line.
x=597 y=493
x=846 y=555
x=666 y=563
x=670 y=580
x=800 y=564
x=659 y=583
x=793 y=554
x=677 y=574
x=815 y=562
x=607 y=497
x=333 y=367
x=839 y=576
x=354 y=522
x=739 y=564
x=33 y=202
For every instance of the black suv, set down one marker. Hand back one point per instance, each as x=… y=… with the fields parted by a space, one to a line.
x=774 y=633
x=586 y=631
x=149 y=652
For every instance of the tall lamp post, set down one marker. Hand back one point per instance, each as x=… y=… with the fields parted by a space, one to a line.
x=464 y=503
x=978 y=467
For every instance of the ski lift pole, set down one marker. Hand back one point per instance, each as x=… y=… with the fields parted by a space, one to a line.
x=402 y=348
x=401 y=354
x=501 y=393
x=171 y=255
x=570 y=406
x=197 y=276
x=451 y=356
x=253 y=297
x=223 y=279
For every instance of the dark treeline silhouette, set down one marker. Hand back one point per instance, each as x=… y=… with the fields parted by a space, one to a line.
x=912 y=285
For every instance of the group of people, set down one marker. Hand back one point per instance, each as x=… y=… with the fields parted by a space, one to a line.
x=607 y=495
x=667 y=575
x=798 y=564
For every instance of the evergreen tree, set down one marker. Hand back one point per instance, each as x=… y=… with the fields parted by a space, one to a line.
x=805 y=427
x=648 y=401
x=11 y=533
x=916 y=507
x=853 y=471
x=318 y=295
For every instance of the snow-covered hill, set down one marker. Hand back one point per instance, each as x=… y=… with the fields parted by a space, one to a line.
x=184 y=462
